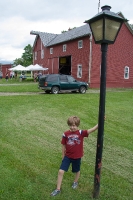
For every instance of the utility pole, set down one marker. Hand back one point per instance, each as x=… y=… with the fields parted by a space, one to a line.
x=98 y=6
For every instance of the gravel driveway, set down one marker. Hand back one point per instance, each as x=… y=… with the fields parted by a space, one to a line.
x=35 y=93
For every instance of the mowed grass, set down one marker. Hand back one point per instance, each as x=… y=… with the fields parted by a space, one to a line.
x=30 y=133
x=16 y=86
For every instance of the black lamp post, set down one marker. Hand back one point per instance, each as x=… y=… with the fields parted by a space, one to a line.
x=105 y=27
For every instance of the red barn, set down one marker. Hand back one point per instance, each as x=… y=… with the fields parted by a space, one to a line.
x=75 y=52
x=4 y=69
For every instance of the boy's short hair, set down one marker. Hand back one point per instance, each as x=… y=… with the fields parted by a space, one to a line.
x=73 y=120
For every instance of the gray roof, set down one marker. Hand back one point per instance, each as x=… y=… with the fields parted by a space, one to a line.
x=45 y=37
x=49 y=39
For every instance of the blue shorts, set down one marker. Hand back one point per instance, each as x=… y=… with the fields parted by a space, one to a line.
x=75 y=164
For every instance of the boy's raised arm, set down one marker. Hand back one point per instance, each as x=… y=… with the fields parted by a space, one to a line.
x=92 y=129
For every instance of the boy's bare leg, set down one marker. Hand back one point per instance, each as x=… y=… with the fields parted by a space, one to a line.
x=60 y=177
x=77 y=176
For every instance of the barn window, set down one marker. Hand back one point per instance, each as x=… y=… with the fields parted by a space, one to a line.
x=126 y=72
x=42 y=53
x=35 y=55
x=51 y=50
x=79 y=71
x=80 y=44
x=64 y=47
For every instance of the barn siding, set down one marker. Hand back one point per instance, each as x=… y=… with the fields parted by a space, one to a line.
x=119 y=55
x=4 y=68
x=78 y=56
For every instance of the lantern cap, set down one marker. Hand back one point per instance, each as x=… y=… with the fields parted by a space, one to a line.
x=105 y=26
x=106 y=13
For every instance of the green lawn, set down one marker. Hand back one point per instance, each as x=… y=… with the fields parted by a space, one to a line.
x=30 y=132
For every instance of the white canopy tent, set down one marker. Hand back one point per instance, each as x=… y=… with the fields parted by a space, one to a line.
x=35 y=68
x=29 y=68
x=17 y=68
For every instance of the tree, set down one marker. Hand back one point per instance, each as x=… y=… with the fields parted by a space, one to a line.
x=27 y=55
x=18 y=61
x=68 y=30
x=131 y=25
x=26 y=58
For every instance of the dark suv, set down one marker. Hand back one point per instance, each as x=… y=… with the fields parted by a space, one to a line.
x=55 y=82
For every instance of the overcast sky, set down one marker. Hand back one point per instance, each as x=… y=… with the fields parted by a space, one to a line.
x=19 y=17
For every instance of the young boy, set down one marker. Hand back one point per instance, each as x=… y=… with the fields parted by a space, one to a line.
x=72 y=151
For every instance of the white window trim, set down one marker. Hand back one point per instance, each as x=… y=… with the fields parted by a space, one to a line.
x=126 y=72
x=51 y=50
x=80 y=44
x=35 y=55
x=64 y=47
x=42 y=53
x=79 y=71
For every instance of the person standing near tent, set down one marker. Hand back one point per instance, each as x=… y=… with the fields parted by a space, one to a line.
x=39 y=75
x=15 y=75
x=1 y=75
x=35 y=77
x=11 y=74
x=6 y=76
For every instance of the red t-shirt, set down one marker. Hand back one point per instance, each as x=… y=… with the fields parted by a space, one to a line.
x=74 y=143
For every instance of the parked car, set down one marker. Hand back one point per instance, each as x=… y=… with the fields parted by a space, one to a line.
x=56 y=83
